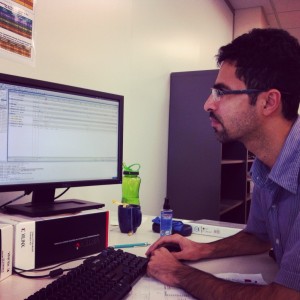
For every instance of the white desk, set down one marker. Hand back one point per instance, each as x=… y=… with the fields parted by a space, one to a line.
x=15 y=287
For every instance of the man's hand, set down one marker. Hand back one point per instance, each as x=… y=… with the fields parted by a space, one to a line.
x=190 y=250
x=163 y=271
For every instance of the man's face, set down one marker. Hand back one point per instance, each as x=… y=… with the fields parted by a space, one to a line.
x=232 y=117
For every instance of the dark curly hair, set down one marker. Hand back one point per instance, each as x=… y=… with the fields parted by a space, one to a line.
x=266 y=59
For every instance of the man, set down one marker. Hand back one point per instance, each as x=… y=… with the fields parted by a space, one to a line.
x=255 y=100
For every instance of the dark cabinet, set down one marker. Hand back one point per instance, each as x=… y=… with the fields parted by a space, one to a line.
x=205 y=180
x=194 y=154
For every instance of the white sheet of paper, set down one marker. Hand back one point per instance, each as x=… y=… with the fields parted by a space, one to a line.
x=243 y=278
x=150 y=289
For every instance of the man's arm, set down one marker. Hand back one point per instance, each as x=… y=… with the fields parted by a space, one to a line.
x=242 y=243
x=205 y=286
x=167 y=269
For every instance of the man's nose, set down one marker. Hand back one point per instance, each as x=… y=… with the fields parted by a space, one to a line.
x=209 y=103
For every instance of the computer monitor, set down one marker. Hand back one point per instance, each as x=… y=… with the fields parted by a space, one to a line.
x=57 y=136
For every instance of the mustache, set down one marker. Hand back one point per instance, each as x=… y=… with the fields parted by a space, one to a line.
x=213 y=116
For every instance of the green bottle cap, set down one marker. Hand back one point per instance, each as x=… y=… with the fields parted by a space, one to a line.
x=128 y=170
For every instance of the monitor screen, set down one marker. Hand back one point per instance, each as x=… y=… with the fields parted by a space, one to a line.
x=57 y=136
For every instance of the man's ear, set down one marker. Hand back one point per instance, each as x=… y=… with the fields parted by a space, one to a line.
x=271 y=101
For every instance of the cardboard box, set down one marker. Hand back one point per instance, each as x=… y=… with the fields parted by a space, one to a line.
x=43 y=241
x=215 y=228
x=6 y=246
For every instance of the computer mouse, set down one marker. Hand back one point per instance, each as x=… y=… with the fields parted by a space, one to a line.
x=171 y=247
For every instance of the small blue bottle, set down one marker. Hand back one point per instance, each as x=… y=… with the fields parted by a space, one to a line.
x=166 y=217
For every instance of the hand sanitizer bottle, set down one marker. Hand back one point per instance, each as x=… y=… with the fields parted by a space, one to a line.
x=166 y=217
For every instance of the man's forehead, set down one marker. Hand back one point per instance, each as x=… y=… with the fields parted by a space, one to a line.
x=226 y=71
x=227 y=76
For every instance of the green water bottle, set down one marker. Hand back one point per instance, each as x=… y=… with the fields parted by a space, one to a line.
x=131 y=184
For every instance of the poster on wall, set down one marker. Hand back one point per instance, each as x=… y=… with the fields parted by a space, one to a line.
x=16 y=30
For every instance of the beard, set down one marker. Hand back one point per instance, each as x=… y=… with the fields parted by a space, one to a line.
x=221 y=134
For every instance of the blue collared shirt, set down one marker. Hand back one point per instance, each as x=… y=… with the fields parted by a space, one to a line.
x=275 y=208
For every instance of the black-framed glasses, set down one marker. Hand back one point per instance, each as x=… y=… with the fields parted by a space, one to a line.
x=217 y=93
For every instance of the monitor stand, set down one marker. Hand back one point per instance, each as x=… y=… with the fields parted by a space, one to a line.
x=43 y=205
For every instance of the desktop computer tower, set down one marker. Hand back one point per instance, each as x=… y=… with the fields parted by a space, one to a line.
x=43 y=241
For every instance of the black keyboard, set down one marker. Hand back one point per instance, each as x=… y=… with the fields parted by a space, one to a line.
x=107 y=276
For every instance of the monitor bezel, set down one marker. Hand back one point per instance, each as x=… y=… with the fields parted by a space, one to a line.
x=78 y=91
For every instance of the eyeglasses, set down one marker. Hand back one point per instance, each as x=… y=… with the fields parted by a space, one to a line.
x=217 y=93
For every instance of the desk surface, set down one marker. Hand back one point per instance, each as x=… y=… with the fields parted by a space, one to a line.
x=15 y=287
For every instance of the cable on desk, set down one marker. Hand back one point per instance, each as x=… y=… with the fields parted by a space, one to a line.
x=51 y=274
x=54 y=270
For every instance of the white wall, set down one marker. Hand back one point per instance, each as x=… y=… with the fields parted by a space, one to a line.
x=248 y=18
x=127 y=47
